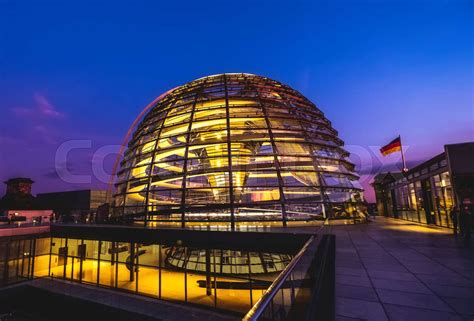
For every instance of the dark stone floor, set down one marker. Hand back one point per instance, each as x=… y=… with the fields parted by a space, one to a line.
x=397 y=270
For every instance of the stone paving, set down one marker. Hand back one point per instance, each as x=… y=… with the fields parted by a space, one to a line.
x=397 y=270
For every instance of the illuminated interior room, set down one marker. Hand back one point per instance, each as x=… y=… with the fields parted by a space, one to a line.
x=230 y=276
x=236 y=148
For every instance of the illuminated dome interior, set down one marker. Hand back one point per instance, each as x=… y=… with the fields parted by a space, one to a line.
x=235 y=147
x=227 y=261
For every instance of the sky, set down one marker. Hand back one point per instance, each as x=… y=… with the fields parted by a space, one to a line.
x=75 y=74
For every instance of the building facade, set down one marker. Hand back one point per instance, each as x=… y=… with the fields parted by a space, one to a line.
x=19 y=204
x=428 y=192
x=205 y=272
x=73 y=203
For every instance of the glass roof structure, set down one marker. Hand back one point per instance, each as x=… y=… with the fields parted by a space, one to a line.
x=234 y=148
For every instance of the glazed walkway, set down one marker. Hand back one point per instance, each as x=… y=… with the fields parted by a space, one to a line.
x=397 y=270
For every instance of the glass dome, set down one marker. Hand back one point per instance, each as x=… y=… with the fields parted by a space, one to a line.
x=230 y=262
x=232 y=148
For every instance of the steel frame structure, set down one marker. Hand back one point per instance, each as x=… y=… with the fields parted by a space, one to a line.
x=235 y=148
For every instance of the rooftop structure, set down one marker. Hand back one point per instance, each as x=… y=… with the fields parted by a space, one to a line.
x=428 y=192
x=18 y=194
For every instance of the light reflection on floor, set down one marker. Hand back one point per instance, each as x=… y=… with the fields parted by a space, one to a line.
x=172 y=283
x=404 y=226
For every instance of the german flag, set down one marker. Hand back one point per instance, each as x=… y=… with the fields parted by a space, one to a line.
x=392 y=147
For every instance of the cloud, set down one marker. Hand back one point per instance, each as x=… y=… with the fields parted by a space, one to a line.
x=45 y=107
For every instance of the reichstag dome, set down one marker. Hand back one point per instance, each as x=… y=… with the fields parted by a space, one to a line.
x=236 y=148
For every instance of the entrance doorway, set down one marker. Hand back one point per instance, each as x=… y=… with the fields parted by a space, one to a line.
x=428 y=202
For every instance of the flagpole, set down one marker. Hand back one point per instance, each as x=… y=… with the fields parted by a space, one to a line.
x=405 y=169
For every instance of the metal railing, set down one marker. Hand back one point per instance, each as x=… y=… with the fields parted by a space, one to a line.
x=304 y=291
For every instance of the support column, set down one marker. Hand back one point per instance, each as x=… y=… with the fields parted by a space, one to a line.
x=132 y=261
x=208 y=273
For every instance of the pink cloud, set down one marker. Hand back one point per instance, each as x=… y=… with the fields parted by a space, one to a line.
x=45 y=107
